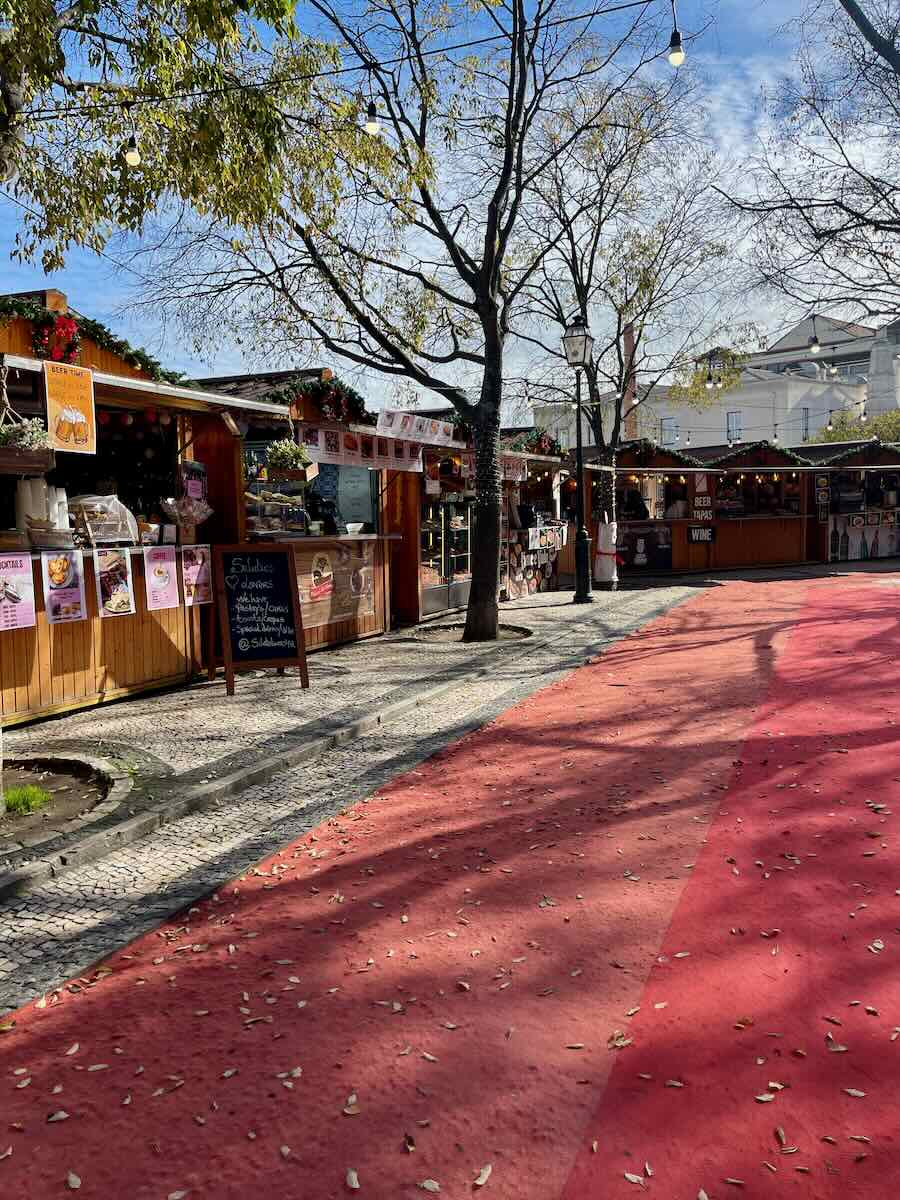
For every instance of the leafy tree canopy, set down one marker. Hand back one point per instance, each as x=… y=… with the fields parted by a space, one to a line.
x=849 y=428
x=78 y=77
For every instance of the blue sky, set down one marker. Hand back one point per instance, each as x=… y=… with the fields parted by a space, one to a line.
x=743 y=48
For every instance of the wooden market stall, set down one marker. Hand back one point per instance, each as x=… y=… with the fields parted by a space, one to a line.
x=135 y=463
x=853 y=493
x=712 y=509
x=432 y=512
x=140 y=434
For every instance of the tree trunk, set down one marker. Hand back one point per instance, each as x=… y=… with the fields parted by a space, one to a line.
x=606 y=575
x=482 y=616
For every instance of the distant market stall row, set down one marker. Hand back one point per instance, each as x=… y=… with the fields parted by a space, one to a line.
x=120 y=484
x=752 y=505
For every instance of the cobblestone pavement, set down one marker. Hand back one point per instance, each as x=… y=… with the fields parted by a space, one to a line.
x=188 y=729
x=60 y=928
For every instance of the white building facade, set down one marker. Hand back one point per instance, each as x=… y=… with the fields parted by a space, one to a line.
x=787 y=394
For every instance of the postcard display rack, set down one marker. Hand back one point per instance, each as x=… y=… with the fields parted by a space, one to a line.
x=533 y=559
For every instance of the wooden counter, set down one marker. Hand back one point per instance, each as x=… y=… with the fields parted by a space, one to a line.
x=740 y=542
x=54 y=668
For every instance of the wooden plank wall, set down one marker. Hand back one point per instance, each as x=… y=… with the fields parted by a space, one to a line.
x=52 y=668
x=15 y=338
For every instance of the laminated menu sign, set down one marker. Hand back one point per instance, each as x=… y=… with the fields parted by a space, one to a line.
x=259 y=609
x=160 y=577
x=115 y=587
x=16 y=591
x=196 y=575
x=71 y=421
x=63 y=575
x=336 y=581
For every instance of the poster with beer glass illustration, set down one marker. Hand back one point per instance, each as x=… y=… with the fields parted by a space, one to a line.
x=71 y=420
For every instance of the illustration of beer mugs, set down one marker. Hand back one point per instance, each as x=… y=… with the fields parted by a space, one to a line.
x=81 y=428
x=65 y=425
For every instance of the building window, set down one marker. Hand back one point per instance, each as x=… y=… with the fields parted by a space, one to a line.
x=668 y=431
x=734 y=427
x=804 y=424
x=563 y=437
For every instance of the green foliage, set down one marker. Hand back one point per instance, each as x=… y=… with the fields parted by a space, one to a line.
x=286 y=455
x=690 y=385
x=26 y=799
x=334 y=399
x=849 y=428
x=25 y=435
x=70 y=71
x=535 y=441
x=43 y=318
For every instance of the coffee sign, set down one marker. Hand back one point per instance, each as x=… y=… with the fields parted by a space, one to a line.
x=259 y=609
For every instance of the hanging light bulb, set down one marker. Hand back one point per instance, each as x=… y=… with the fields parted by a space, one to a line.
x=830 y=425
x=720 y=382
x=687 y=441
x=676 y=53
x=132 y=154
x=865 y=416
x=813 y=343
x=677 y=435
x=709 y=380
x=372 y=125
x=775 y=435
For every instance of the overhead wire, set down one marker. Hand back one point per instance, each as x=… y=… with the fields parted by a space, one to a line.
x=309 y=76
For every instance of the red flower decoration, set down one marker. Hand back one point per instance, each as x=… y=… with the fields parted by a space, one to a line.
x=56 y=353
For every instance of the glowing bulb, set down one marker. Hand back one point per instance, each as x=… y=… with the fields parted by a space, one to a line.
x=676 y=49
x=132 y=154
x=814 y=344
x=372 y=125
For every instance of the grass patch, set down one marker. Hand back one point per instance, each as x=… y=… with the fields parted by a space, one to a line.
x=26 y=799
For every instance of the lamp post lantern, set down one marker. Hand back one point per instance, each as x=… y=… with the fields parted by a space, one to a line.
x=578 y=345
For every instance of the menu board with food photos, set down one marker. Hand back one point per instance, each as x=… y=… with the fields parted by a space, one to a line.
x=336 y=580
x=259 y=609
x=63 y=575
x=115 y=585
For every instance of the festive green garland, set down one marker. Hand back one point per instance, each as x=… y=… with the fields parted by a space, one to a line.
x=58 y=336
x=335 y=400
x=535 y=441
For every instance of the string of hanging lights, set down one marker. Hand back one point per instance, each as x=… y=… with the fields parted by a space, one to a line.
x=676 y=55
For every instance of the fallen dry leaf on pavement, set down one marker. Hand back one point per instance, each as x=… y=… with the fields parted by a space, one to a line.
x=483 y=1175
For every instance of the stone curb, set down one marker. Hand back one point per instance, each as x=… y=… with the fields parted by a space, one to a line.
x=200 y=797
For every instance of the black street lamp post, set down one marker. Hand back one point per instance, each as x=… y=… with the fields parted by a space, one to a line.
x=578 y=345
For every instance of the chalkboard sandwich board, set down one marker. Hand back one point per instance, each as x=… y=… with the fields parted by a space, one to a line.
x=259 y=609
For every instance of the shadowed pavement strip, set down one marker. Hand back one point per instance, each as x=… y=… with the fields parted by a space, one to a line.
x=457 y=951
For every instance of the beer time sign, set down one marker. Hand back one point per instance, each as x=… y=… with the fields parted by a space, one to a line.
x=71 y=420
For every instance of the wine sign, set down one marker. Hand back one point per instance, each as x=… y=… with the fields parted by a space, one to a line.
x=259 y=609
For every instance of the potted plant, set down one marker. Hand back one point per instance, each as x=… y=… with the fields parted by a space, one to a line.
x=24 y=446
x=286 y=460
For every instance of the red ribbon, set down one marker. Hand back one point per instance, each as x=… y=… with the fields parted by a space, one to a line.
x=620 y=561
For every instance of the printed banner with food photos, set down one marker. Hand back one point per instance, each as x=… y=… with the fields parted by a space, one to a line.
x=16 y=591
x=429 y=431
x=349 y=448
x=63 y=575
x=161 y=577
x=336 y=581
x=115 y=586
x=195 y=575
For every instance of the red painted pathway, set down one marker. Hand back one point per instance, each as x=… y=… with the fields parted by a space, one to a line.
x=458 y=952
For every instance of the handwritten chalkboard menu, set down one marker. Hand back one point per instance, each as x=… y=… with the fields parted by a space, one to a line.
x=259 y=609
